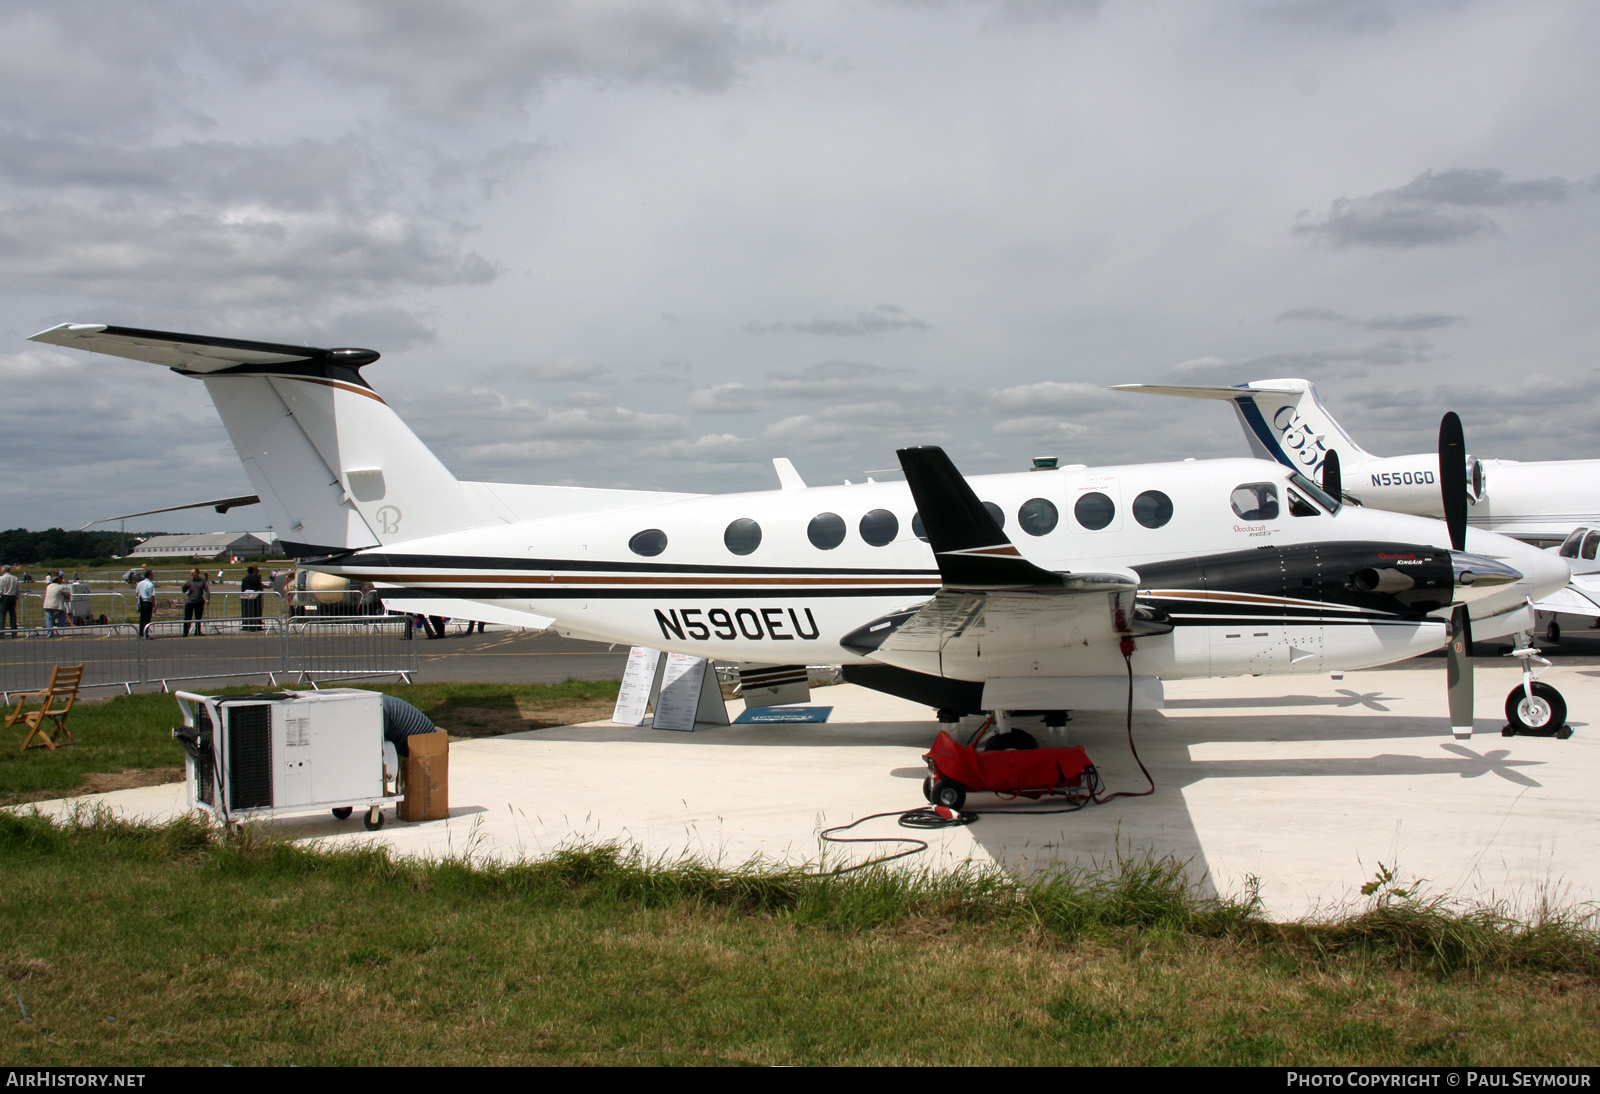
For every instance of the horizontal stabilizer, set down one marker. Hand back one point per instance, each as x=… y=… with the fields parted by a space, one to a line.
x=221 y=505
x=196 y=353
x=1206 y=392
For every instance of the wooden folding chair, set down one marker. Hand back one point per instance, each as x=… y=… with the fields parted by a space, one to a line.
x=55 y=704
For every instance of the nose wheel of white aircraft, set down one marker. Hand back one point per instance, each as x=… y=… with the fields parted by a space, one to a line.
x=1535 y=708
x=1538 y=710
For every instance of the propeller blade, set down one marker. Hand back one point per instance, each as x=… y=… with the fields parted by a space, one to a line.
x=1332 y=482
x=1458 y=659
x=1453 y=478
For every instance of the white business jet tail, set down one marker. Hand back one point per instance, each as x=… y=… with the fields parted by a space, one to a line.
x=1283 y=420
x=334 y=466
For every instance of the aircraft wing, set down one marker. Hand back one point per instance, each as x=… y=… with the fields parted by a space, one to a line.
x=1581 y=597
x=993 y=602
x=192 y=353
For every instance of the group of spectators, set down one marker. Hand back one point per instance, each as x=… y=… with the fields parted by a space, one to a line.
x=196 y=591
x=57 y=600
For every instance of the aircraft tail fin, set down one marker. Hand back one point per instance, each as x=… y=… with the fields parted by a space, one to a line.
x=335 y=468
x=1283 y=420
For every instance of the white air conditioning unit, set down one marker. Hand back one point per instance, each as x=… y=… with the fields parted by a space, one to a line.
x=253 y=755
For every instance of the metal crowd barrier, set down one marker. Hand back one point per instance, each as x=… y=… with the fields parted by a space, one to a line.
x=114 y=655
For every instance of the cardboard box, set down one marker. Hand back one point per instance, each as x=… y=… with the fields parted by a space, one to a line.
x=426 y=776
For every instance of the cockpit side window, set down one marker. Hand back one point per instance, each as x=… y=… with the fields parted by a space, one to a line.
x=1300 y=507
x=1570 y=545
x=1255 y=501
x=1590 y=542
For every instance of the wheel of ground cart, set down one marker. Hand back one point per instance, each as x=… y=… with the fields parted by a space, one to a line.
x=950 y=794
x=343 y=811
x=1545 y=711
x=1018 y=740
x=373 y=819
x=927 y=788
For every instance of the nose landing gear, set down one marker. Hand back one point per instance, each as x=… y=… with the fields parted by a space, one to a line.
x=1535 y=709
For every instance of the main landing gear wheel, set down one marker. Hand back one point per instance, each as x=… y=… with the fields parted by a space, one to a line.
x=1019 y=740
x=950 y=794
x=1544 y=713
x=373 y=820
x=1553 y=632
x=343 y=811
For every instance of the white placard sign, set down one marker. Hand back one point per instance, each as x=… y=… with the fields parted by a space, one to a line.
x=638 y=683
x=689 y=694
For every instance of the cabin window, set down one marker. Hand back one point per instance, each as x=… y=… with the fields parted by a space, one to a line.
x=1094 y=510
x=650 y=542
x=994 y=511
x=1570 y=545
x=1590 y=542
x=1152 y=509
x=826 y=531
x=1037 y=517
x=917 y=529
x=742 y=536
x=1255 y=501
x=879 y=527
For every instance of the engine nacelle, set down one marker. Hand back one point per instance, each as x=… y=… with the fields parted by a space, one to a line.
x=1407 y=484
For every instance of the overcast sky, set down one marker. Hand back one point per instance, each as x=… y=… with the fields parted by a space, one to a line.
x=655 y=243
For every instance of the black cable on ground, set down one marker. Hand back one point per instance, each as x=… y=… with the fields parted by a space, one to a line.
x=1127 y=659
x=929 y=817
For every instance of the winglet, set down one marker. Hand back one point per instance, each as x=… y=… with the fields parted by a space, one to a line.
x=971 y=550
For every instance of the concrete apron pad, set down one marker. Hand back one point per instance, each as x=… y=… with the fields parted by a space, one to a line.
x=1304 y=787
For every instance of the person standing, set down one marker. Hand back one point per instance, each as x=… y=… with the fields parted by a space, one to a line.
x=250 y=589
x=57 y=598
x=10 y=589
x=196 y=595
x=145 y=593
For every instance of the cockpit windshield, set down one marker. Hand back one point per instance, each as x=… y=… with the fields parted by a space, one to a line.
x=1314 y=492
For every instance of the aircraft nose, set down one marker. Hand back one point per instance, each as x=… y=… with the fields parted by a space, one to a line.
x=1543 y=572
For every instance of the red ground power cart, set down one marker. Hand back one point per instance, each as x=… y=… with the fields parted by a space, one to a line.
x=955 y=770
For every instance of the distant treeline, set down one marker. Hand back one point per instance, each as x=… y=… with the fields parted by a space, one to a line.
x=19 y=546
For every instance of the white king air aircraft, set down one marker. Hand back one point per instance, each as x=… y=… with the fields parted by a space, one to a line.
x=1112 y=580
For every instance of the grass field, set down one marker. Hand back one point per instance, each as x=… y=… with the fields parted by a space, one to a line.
x=175 y=945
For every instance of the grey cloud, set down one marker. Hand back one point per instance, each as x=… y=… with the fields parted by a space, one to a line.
x=1480 y=188
x=1398 y=323
x=387 y=330
x=491 y=173
x=1066 y=398
x=217 y=223
x=732 y=398
x=1436 y=208
x=571 y=370
x=459 y=60
x=1016 y=11
x=1312 y=364
x=1348 y=16
x=883 y=319
x=129 y=251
